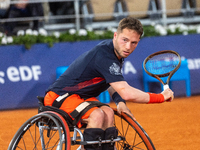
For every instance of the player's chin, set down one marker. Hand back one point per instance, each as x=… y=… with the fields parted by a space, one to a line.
x=125 y=56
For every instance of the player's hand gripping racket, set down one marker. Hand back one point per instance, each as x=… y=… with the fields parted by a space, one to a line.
x=162 y=64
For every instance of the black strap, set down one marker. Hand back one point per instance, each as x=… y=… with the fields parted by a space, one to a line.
x=77 y=115
x=57 y=103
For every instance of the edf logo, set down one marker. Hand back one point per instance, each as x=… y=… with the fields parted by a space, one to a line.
x=23 y=73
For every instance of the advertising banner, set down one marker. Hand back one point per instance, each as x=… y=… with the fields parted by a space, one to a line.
x=25 y=74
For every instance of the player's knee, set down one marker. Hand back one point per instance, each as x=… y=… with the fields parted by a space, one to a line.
x=109 y=111
x=96 y=118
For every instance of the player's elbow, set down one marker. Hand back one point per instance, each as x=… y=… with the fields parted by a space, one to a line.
x=126 y=97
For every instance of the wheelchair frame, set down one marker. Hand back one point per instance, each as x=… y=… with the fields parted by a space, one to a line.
x=52 y=129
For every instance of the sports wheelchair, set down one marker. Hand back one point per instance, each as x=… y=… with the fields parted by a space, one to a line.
x=53 y=129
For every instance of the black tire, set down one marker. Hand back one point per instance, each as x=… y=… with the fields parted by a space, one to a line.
x=134 y=135
x=48 y=124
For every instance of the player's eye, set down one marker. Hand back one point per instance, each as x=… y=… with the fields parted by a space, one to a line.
x=134 y=43
x=125 y=40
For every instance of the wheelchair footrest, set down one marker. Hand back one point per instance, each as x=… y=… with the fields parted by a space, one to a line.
x=119 y=138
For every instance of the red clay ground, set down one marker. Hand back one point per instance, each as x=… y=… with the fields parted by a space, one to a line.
x=171 y=126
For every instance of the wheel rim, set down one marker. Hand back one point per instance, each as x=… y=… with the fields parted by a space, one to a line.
x=134 y=135
x=29 y=136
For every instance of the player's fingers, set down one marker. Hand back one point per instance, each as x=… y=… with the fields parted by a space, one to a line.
x=130 y=114
x=171 y=95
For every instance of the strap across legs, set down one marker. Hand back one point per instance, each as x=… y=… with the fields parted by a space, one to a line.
x=59 y=100
x=82 y=108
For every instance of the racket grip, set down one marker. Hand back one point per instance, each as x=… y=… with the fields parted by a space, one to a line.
x=166 y=86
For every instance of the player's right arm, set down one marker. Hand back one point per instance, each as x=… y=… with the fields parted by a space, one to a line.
x=132 y=94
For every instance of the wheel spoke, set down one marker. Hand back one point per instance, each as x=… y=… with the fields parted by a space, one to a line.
x=135 y=138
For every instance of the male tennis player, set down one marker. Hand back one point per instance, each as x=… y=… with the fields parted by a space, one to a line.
x=96 y=71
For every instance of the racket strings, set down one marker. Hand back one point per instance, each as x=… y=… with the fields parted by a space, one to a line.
x=162 y=63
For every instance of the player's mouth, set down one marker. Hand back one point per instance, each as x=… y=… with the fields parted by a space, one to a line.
x=126 y=53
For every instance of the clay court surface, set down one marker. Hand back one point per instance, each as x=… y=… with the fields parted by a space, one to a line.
x=171 y=126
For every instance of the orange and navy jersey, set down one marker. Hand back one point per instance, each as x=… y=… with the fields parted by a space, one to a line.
x=91 y=73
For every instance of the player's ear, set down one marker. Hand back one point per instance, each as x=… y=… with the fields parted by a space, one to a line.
x=115 y=36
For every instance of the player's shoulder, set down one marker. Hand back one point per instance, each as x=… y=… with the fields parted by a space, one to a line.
x=106 y=43
x=105 y=47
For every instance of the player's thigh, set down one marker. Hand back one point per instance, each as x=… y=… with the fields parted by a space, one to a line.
x=108 y=111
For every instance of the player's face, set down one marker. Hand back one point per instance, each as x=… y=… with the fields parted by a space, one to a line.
x=125 y=42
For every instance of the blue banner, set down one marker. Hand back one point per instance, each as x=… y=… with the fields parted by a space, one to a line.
x=25 y=74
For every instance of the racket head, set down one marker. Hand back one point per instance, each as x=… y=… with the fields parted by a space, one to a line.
x=162 y=64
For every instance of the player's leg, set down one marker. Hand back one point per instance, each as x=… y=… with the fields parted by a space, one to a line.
x=94 y=131
x=93 y=134
x=95 y=119
x=101 y=127
x=108 y=117
x=110 y=132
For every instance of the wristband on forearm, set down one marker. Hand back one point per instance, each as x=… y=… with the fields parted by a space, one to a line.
x=117 y=98
x=156 y=98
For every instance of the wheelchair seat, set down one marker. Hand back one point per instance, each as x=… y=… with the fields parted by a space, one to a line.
x=67 y=118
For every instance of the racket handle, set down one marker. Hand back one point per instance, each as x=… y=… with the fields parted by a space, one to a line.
x=166 y=86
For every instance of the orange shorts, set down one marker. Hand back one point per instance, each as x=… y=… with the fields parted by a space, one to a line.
x=69 y=104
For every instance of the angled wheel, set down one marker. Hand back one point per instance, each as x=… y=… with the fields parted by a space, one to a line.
x=134 y=136
x=43 y=131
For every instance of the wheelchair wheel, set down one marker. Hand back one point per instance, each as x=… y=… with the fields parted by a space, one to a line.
x=134 y=136
x=44 y=131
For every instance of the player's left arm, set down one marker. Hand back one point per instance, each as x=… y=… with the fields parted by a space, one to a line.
x=121 y=104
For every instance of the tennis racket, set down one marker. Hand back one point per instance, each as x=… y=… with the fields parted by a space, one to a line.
x=162 y=65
